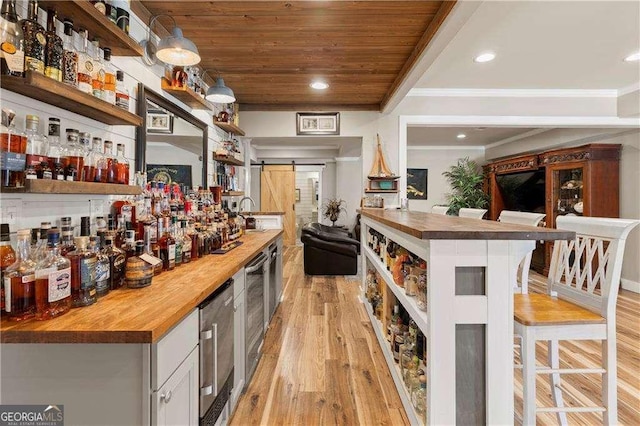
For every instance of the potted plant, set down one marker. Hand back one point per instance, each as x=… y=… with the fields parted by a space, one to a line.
x=332 y=208
x=465 y=179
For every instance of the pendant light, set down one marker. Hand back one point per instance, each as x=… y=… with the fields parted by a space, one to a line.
x=174 y=49
x=219 y=93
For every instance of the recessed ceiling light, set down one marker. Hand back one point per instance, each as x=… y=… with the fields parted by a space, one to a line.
x=461 y=136
x=319 y=85
x=633 y=57
x=485 y=57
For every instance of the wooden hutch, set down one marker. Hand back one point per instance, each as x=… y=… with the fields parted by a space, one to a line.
x=583 y=180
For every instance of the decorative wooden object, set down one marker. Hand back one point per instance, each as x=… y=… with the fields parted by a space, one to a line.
x=186 y=95
x=381 y=178
x=141 y=315
x=228 y=160
x=83 y=13
x=45 y=89
x=40 y=186
x=229 y=127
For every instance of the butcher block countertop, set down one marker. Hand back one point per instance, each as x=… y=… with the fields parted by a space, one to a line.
x=142 y=315
x=430 y=226
x=262 y=213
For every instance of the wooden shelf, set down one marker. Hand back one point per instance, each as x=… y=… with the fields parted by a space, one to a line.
x=83 y=13
x=233 y=193
x=228 y=127
x=228 y=160
x=383 y=178
x=40 y=186
x=47 y=90
x=381 y=191
x=185 y=95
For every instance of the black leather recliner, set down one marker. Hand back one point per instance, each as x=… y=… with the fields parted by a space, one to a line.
x=329 y=251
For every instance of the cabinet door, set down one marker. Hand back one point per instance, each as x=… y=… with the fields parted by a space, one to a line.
x=176 y=402
x=238 y=347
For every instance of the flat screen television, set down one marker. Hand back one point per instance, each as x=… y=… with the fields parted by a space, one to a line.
x=523 y=191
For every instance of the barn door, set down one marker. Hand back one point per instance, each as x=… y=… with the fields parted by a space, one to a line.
x=277 y=193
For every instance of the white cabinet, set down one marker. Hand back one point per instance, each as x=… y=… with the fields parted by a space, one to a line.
x=238 y=336
x=176 y=402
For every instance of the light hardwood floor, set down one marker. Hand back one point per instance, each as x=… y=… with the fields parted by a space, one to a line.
x=321 y=362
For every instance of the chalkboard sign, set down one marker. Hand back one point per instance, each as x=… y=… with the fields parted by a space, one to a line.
x=170 y=173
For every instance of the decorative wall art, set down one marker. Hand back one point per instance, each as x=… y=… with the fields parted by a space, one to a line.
x=312 y=123
x=297 y=195
x=417 y=184
x=159 y=122
x=170 y=173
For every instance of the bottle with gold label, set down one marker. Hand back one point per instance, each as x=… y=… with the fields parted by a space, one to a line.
x=69 y=56
x=54 y=50
x=35 y=40
x=20 y=281
x=97 y=75
x=85 y=63
x=83 y=274
x=11 y=41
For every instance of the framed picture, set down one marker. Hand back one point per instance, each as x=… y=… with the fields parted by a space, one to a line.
x=417 y=184
x=170 y=173
x=313 y=123
x=159 y=122
x=297 y=194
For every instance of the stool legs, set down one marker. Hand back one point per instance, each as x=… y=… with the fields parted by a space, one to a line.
x=553 y=352
x=528 y=354
x=609 y=379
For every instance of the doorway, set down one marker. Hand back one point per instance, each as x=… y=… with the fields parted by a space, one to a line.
x=307 y=196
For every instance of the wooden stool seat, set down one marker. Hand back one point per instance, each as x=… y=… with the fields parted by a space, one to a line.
x=542 y=309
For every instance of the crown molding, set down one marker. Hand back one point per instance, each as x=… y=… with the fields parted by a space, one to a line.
x=445 y=148
x=517 y=137
x=629 y=89
x=518 y=121
x=513 y=93
x=341 y=159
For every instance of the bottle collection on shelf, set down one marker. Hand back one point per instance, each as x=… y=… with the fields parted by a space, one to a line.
x=408 y=270
x=64 y=56
x=407 y=343
x=51 y=271
x=226 y=177
x=76 y=157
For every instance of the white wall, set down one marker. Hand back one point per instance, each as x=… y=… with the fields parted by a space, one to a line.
x=437 y=161
x=349 y=188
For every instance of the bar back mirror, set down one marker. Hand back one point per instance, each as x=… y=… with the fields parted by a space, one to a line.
x=171 y=144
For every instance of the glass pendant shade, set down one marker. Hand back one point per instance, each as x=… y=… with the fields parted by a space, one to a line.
x=177 y=50
x=219 y=93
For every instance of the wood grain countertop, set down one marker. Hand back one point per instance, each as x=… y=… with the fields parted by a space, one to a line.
x=142 y=315
x=429 y=226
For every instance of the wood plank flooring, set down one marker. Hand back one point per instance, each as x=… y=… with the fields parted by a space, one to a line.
x=321 y=363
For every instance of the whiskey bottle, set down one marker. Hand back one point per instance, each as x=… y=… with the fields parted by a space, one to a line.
x=116 y=263
x=102 y=267
x=20 y=281
x=90 y=160
x=138 y=273
x=83 y=274
x=75 y=154
x=110 y=172
x=66 y=231
x=186 y=242
x=37 y=144
x=109 y=78
x=11 y=41
x=54 y=49
x=40 y=250
x=122 y=166
x=34 y=40
x=98 y=73
x=176 y=233
x=53 y=281
x=57 y=153
x=85 y=64
x=70 y=56
x=13 y=146
x=122 y=93
x=167 y=245
x=7 y=257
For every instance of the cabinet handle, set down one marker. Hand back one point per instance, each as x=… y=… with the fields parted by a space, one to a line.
x=166 y=397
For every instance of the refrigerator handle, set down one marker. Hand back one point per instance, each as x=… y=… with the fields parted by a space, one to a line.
x=205 y=335
x=215 y=358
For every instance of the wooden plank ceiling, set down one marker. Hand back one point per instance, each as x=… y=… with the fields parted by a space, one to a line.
x=269 y=52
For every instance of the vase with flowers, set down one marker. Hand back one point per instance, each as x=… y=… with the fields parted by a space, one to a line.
x=332 y=208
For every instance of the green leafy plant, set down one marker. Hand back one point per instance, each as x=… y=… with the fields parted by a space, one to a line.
x=332 y=208
x=465 y=179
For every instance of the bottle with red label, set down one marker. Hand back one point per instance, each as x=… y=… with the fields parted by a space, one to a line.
x=53 y=281
x=37 y=146
x=20 y=281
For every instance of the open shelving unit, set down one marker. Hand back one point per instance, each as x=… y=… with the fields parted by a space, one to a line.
x=228 y=127
x=52 y=92
x=233 y=193
x=41 y=186
x=227 y=160
x=186 y=95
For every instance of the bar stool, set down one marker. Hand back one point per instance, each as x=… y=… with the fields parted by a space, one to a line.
x=522 y=218
x=578 y=267
x=472 y=213
x=440 y=209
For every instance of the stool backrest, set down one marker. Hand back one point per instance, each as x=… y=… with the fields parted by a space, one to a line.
x=522 y=218
x=593 y=258
x=472 y=213
x=440 y=209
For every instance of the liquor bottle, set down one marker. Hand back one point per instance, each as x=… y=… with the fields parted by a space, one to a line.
x=111 y=12
x=75 y=154
x=167 y=245
x=7 y=258
x=20 y=281
x=117 y=262
x=12 y=41
x=91 y=159
x=34 y=40
x=53 y=281
x=66 y=232
x=99 y=161
x=97 y=75
x=102 y=267
x=54 y=49
x=138 y=273
x=101 y=5
x=125 y=211
x=13 y=146
x=69 y=56
x=186 y=242
x=176 y=233
x=122 y=166
x=85 y=63
x=37 y=144
x=83 y=274
x=57 y=153
x=110 y=162
x=109 y=78
x=152 y=248
x=122 y=93
x=40 y=250
x=129 y=246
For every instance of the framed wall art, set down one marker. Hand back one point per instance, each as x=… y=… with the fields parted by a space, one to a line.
x=159 y=122
x=417 y=184
x=313 y=123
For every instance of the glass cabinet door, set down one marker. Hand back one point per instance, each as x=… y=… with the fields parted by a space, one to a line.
x=568 y=192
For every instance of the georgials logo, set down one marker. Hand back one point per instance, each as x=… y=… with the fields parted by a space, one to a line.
x=31 y=415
